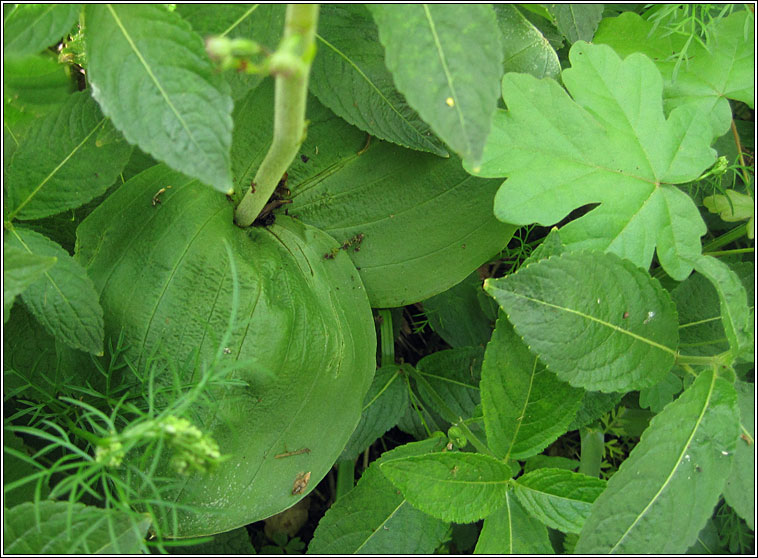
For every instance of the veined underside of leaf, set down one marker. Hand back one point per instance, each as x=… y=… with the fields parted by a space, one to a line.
x=665 y=491
x=611 y=145
x=150 y=74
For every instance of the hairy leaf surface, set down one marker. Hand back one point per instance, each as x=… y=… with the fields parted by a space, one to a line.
x=163 y=93
x=20 y=269
x=63 y=299
x=596 y=320
x=707 y=77
x=525 y=406
x=349 y=76
x=31 y=28
x=303 y=329
x=446 y=60
x=609 y=144
x=65 y=160
x=66 y=528
x=672 y=479
x=374 y=518
x=558 y=498
x=510 y=530
x=740 y=485
x=459 y=487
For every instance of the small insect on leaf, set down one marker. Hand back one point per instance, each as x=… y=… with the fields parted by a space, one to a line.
x=626 y=315
x=747 y=439
x=157 y=196
x=301 y=483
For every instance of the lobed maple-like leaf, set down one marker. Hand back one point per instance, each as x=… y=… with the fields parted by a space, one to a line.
x=610 y=144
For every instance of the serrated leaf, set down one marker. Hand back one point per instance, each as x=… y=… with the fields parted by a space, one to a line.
x=510 y=530
x=446 y=60
x=20 y=269
x=525 y=48
x=457 y=315
x=657 y=396
x=558 y=498
x=384 y=404
x=459 y=487
x=549 y=461
x=735 y=313
x=64 y=299
x=576 y=22
x=31 y=28
x=609 y=145
x=349 y=76
x=163 y=94
x=740 y=485
x=374 y=518
x=63 y=161
x=594 y=319
x=708 y=76
x=594 y=405
x=525 y=406
x=672 y=479
x=66 y=528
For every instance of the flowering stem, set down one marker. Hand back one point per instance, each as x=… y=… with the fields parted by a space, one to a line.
x=291 y=65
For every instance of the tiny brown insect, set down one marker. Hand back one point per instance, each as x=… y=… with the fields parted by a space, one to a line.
x=301 y=483
x=747 y=439
x=157 y=196
x=626 y=315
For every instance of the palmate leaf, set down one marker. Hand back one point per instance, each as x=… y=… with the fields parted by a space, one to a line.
x=349 y=76
x=665 y=491
x=708 y=76
x=31 y=28
x=446 y=60
x=150 y=74
x=510 y=530
x=459 y=487
x=65 y=160
x=611 y=145
x=594 y=319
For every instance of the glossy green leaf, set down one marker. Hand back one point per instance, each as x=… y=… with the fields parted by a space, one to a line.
x=31 y=28
x=384 y=404
x=525 y=48
x=672 y=479
x=66 y=528
x=576 y=22
x=374 y=518
x=462 y=314
x=386 y=193
x=594 y=319
x=558 y=498
x=609 y=145
x=510 y=530
x=63 y=300
x=447 y=60
x=303 y=329
x=349 y=76
x=21 y=269
x=262 y=23
x=740 y=485
x=66 y=159
x=525 y=406
x=708 y=76
x=459 y=487
x=736 y=317
x=164 y=94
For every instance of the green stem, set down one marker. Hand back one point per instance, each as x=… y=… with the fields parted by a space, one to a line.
x=725 y=238
x=593 y=443
x=386 y=338
x=345 y=478
x=728 y=252
x=480 y=446
x=291 y=64
x=694 y=360
x=745 y=175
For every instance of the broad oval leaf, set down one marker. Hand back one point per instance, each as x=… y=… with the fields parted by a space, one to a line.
x=740 y=485
x=65 y=160
x=525 y=48
x=609 y=145
x=31 y=28
x=596 y=320
x=150 y=74
x=20 y=269
x=672 y=479
x=66 y=528
x=510 y=530
x=558 y=498
x=576 y=22
x=303 y=329
x=349 y=76
x=375 y=518
x=63 y=299
x=525 y=406
x=446 y=59
x=459 y=487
